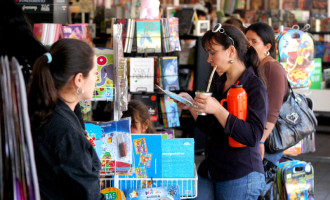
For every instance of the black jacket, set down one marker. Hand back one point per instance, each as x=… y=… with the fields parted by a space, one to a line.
x=67 y=164
x=222 y=161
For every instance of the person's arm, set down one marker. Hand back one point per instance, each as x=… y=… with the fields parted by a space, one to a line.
x=268 y=129
x=277 y=87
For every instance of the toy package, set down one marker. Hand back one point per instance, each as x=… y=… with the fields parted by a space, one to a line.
x=295 y=180
x=296 y=54
x=156 y=193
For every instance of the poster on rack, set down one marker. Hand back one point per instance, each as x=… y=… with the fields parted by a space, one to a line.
x=105 y=75
x=113 y=144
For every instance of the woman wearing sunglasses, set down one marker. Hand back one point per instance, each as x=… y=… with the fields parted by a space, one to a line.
x=229 y=172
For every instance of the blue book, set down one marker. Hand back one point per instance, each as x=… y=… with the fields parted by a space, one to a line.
x=172 y=112
x=170 y=73
x=178 y=162
x=178 y=158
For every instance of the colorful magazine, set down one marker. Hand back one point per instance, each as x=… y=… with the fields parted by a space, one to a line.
x=105 y=77
x=113 y=144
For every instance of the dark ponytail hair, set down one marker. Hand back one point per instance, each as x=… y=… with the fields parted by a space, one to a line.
x=266 y=33
x=68 y=58
x=245 y=53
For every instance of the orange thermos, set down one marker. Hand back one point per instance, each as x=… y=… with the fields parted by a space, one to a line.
x=237 y=106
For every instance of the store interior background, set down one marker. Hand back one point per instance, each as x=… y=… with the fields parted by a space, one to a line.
x=80 y=13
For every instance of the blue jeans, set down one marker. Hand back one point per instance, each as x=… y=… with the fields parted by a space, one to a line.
x=248 y=187
x=274 y=157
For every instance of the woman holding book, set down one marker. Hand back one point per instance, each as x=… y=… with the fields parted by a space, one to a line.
x=67 y=164
x=261 y=37
x=229 y=172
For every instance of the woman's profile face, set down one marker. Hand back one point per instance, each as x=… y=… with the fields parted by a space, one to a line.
x=90 y=81
x=256 y=42
x=219 y=57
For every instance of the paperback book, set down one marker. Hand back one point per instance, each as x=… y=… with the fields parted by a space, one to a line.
x=142 y=74
x=148 y=33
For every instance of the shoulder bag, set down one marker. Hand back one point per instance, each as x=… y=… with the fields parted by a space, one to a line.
x=295 y=121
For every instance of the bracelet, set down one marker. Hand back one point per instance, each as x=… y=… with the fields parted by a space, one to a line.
x=261 y=143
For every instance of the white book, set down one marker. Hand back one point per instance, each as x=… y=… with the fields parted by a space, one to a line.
x=142 y=74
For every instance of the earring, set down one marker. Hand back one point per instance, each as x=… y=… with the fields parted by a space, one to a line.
x=231 y=61
x=267 y=53
x=80 y=91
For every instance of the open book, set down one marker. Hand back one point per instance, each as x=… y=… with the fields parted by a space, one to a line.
x=176 y=97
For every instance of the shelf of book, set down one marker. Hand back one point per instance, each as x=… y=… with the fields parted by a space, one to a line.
x=188 y=186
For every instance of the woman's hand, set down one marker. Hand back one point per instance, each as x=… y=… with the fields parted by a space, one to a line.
x=207 y=104
x=186 y=96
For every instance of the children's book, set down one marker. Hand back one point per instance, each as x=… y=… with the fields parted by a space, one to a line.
x=113 y=144
x=105 y=77
x=142 y=74
x=178 y=158
x=155 y=193
x=172 y=113
x=170 y=74
x=148 y=33
x=147 y=155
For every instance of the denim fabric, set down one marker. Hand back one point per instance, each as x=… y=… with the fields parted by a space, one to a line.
x=248 y=187
x=205 y=189
x=274 y=157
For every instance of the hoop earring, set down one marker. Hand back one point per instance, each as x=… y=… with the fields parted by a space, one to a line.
x=231 y=61
x=267 y=53
x=80 y=91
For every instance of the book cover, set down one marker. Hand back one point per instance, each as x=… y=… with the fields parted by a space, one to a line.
x=148 y=33
x=173 y=27
x=186 y=16
x=77 y=31
x=169 y=70
x=147 y=162
x=178 y=158
x=150 y=100
x=172 y=113
x=113 y=144
x=142 y=74
x=105 y=77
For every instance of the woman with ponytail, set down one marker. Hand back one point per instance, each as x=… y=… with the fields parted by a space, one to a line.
x=67 y=164
x=230 y=172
